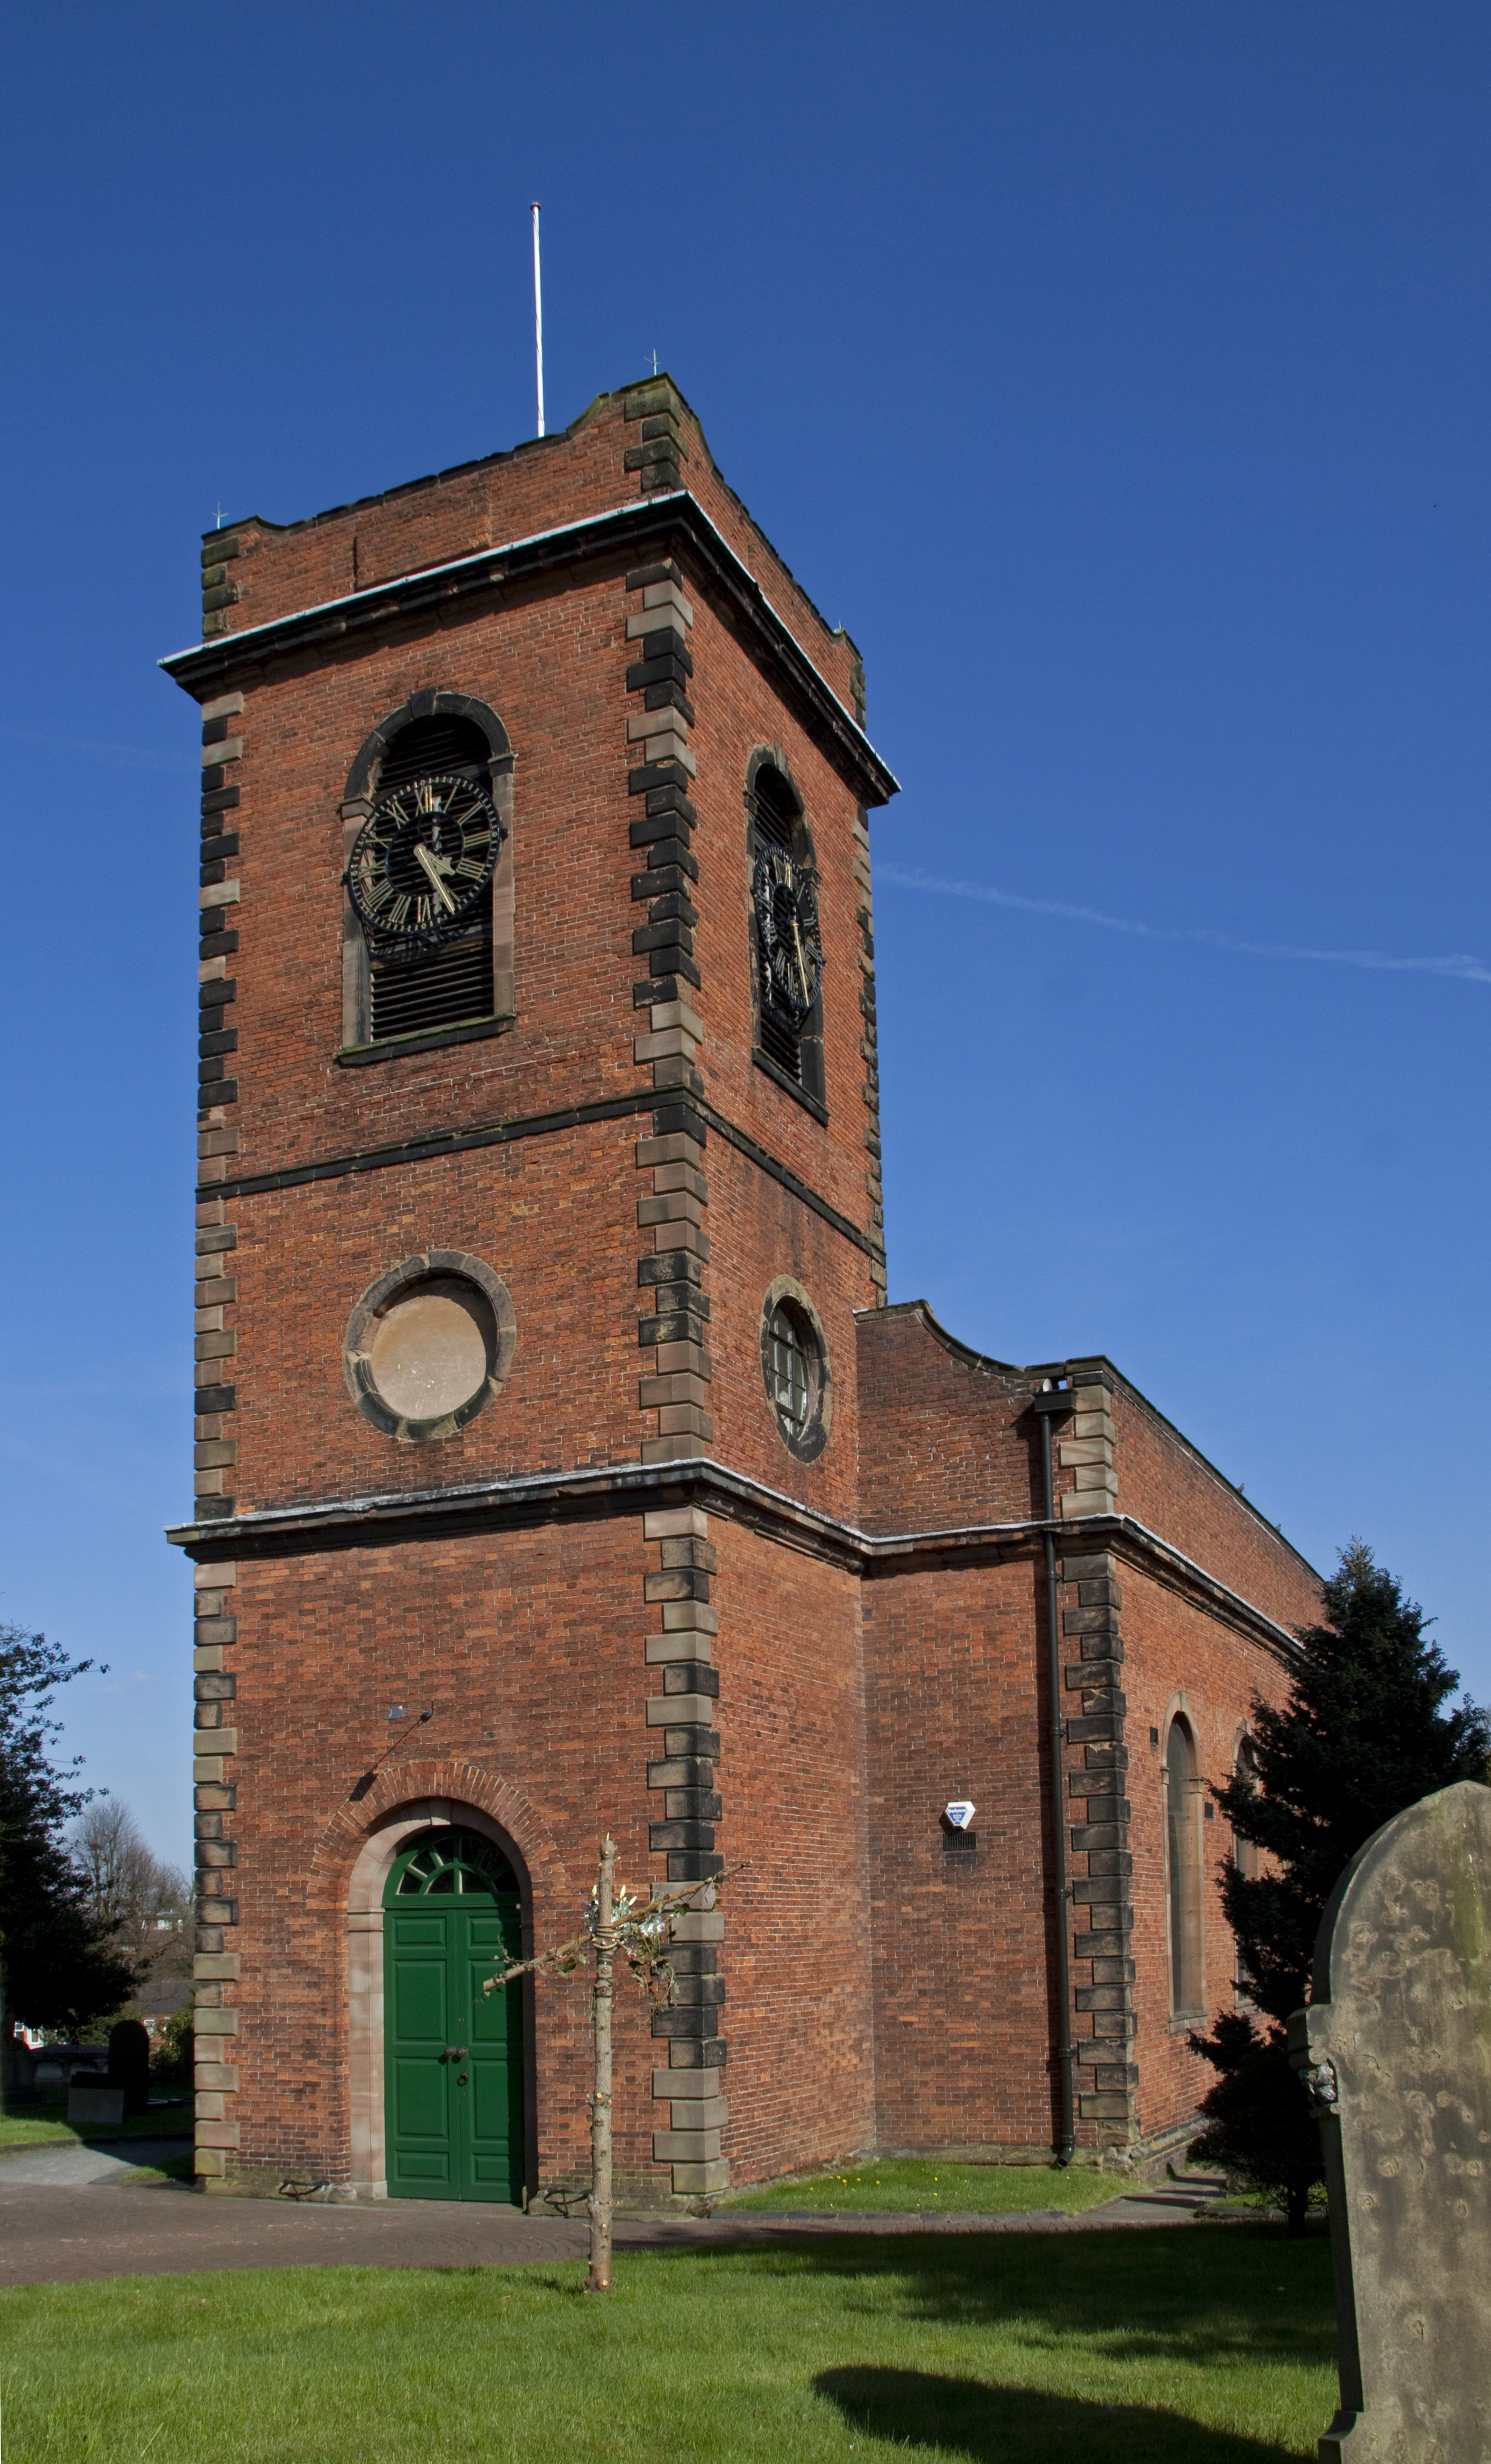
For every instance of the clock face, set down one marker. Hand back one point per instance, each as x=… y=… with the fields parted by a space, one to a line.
x=423 y=859
x=786 y=920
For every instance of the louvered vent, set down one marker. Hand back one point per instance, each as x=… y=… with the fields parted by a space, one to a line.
x=439 y=988
x=450 y=986
x=779 y=1034
x=431 y=748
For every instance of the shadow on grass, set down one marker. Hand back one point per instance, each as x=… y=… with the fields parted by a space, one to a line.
x=1195 y=2292
x=999 y=2425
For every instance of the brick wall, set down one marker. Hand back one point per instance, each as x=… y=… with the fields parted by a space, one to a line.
x=961 y=1940
x=793 y=1775
x=527 y=1652
x=947 y=1438
x=1165 y=1483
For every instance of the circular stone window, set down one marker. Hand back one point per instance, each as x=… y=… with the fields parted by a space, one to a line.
x=428 y=1344
x=795 y=1365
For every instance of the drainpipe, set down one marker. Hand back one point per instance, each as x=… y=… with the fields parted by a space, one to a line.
x=1054 y=1404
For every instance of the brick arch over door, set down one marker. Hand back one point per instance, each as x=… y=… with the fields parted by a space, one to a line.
x=345 y=1886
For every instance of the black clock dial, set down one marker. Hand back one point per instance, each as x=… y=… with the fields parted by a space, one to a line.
x=423 y=859
x=786 y=921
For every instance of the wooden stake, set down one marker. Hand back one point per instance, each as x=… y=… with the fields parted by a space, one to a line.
x=598 y=2203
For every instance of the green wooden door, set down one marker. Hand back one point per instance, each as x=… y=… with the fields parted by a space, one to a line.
x=453 y=2055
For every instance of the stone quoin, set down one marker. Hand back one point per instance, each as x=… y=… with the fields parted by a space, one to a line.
x=560 y=1464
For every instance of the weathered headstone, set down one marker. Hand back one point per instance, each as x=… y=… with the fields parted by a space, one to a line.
x=95 y=2108
x=1396 y=2052
x=129 y=2063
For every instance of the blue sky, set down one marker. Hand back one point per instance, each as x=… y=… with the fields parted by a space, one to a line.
x=1119 y=376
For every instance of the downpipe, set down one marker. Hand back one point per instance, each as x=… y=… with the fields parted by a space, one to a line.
x=1057 y=1405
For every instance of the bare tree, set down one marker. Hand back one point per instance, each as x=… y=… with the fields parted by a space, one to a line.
x=141 y=1903
x=640 y=1930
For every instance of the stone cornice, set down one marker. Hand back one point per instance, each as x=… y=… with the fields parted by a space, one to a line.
x=674 y=523
x=555 y=1497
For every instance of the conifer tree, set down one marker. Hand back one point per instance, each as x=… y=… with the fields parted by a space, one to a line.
x=57 y=1969
x=1364 y=1732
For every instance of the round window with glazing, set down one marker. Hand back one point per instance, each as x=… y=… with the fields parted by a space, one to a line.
x=430 y=1345
x=795 y=1367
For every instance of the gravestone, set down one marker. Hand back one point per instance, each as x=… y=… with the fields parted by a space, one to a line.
x=1396 y=2048
x=129 y=2063
x=95 y=2108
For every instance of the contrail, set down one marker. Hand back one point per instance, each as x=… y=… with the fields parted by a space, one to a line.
x=1469 y=970
x=128 y=757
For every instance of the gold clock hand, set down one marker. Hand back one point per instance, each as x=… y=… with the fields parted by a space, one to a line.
x=424 y=856
x=802 y=964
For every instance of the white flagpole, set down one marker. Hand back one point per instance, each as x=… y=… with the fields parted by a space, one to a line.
x=538 y=318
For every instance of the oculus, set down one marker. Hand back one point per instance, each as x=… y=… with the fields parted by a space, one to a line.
x=422 y=860
x=794 y=1368
x=430 y=1345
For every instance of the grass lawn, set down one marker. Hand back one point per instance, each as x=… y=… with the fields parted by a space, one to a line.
x=917 y=2185
x=43 y=2125
x=174 y=2168
x=1187 y=2344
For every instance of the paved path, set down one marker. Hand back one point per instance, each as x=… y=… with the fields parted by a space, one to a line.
x=62 y=2225
x=71 y=2166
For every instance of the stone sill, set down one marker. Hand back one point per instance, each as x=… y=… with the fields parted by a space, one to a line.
x=356 y=1056
x=790 y=1086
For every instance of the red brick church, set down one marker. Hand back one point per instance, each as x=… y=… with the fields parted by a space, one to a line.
x=560 y=1464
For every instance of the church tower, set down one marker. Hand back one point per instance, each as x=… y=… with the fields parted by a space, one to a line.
x=538 y=1190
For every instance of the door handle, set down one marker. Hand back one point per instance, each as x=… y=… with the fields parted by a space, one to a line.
x=454 y=2054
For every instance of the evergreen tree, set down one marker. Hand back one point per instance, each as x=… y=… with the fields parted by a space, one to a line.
x=58 y=1967
x=1363 y=1733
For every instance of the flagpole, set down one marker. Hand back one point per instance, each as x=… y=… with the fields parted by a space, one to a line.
x=538 y=318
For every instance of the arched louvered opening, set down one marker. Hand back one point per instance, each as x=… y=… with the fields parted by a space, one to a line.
x=417 y=993
x=780 y=1034
x=788 y=1034
x=432 y=748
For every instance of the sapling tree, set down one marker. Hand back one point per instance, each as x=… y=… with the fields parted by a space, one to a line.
x=640 y=1929
x=1363 y=1733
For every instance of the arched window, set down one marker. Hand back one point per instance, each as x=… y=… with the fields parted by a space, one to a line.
x=1246 y=1855
x=787 y=943
x=428 y=878
x=1183 y=1863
